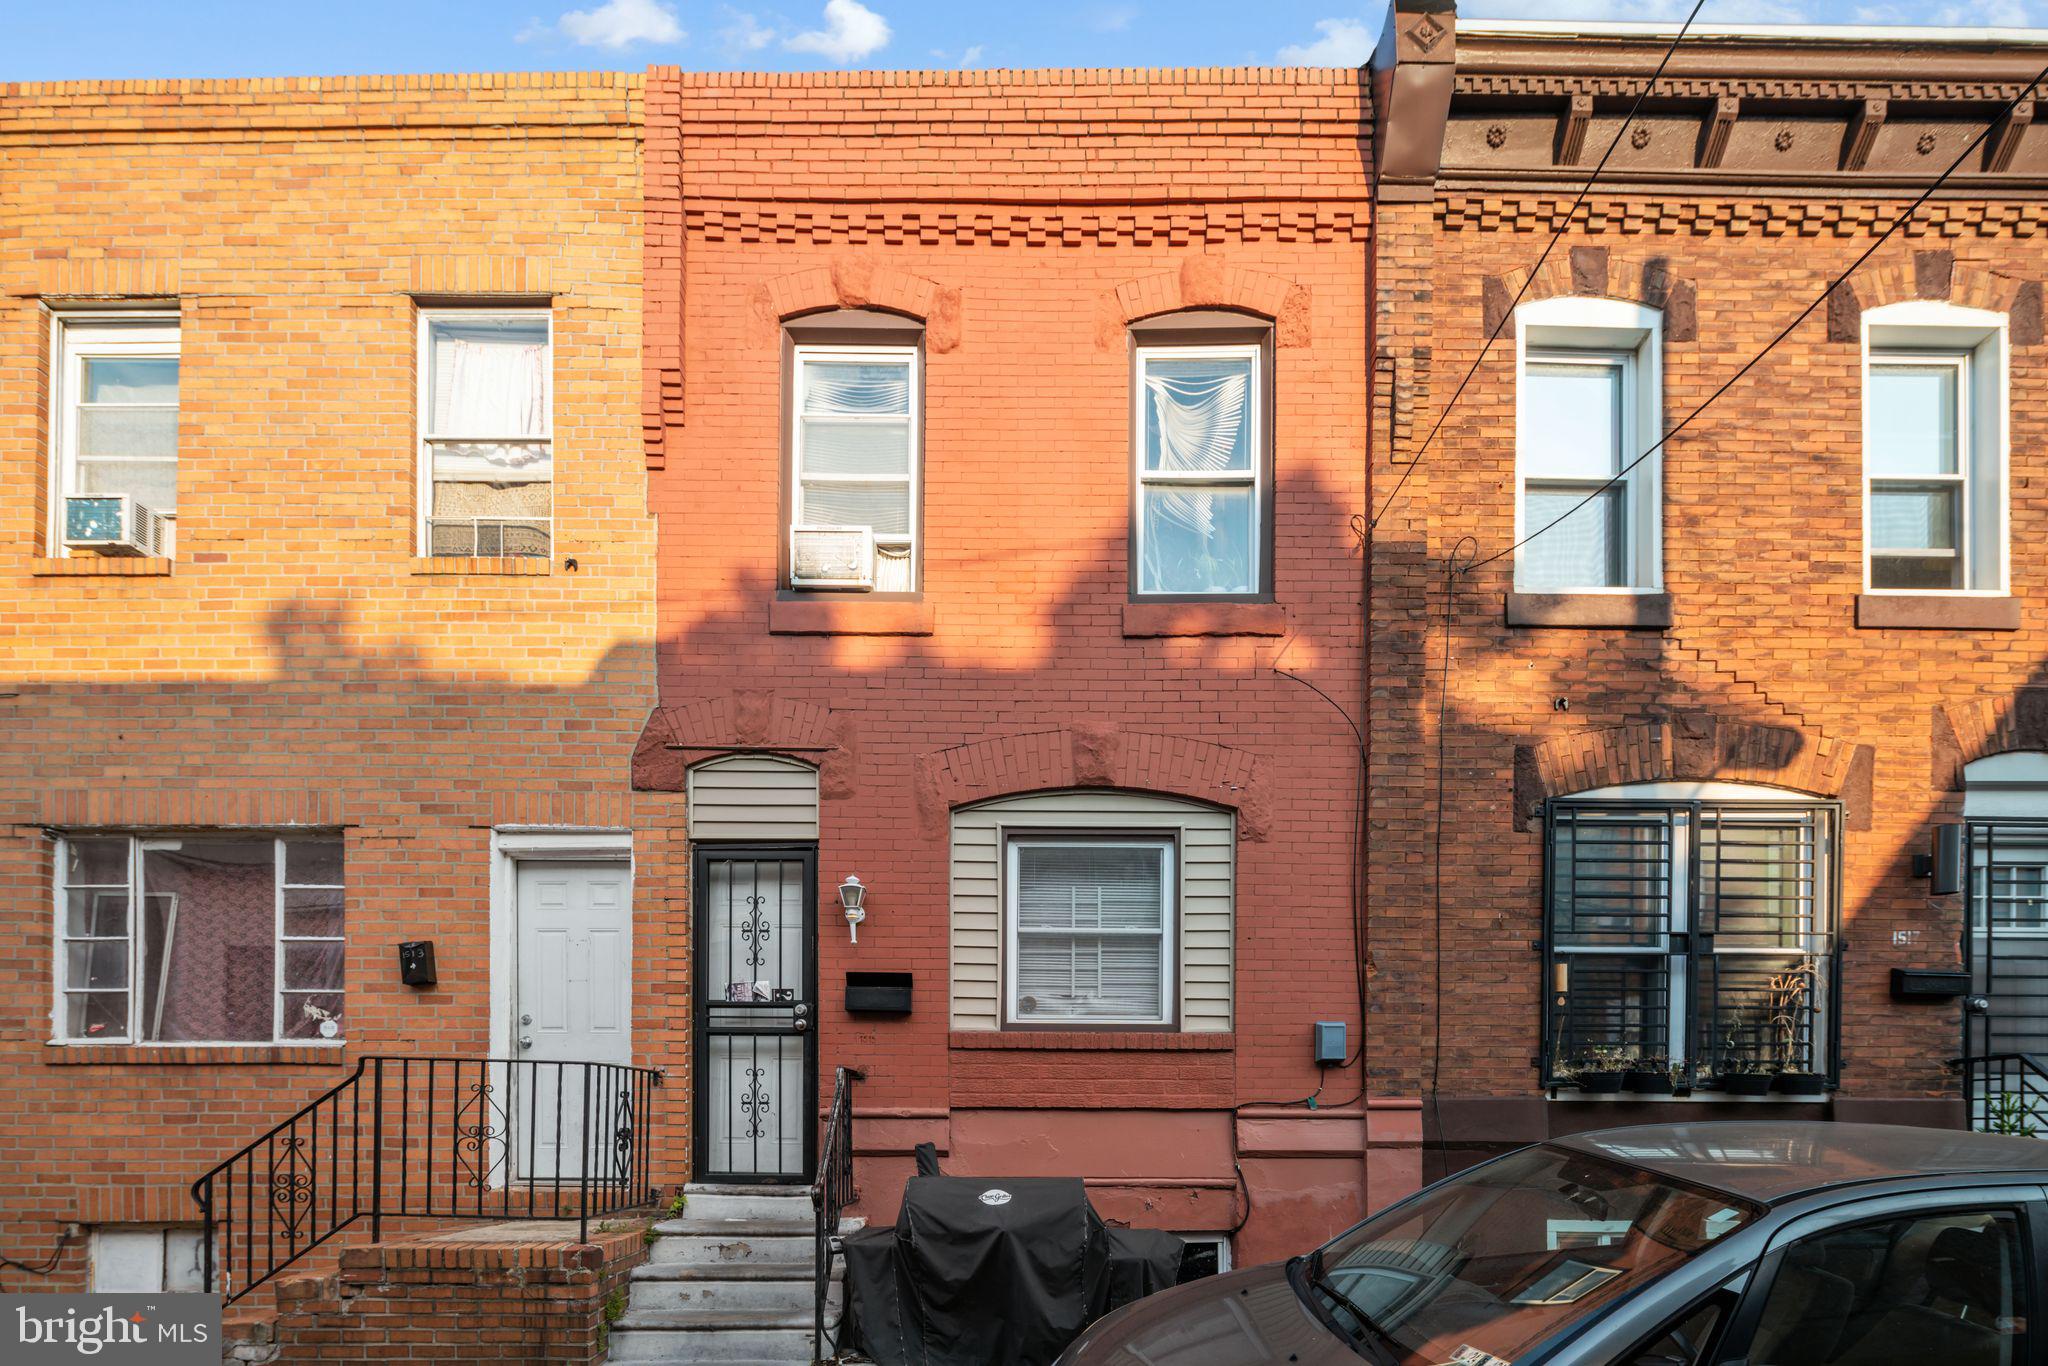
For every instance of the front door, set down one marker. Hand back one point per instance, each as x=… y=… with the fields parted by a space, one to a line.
x=574 y=995
x=757 y=986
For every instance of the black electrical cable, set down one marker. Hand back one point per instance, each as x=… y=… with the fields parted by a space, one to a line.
x=1788 y=329
x=1563 y=223
x=48 y=1264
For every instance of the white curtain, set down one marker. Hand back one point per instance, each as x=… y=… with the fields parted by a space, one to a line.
x=1197 y=423
x=490 y=383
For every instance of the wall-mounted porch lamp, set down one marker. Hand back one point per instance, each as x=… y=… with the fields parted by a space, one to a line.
x=851 y=895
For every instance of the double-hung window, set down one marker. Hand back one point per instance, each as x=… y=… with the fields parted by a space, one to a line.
x=1091 y=930
x=1691 y=931
x=854 y=448
x=1588 y=511
x=117 y=431
x=1201 y=471
x=199 y=938
x=487 y=451
x=1934 y=449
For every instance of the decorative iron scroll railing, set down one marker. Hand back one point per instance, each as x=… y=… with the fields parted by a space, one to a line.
x=830 y=1195
x=431 y=1138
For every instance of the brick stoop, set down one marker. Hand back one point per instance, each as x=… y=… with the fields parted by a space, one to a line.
x=527 y=1292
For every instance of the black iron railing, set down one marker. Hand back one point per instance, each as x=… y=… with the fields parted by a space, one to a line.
x=432 y=1138
x=2007 y=1093
x=830 y=1195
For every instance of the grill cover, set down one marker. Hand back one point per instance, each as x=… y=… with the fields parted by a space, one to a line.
x=994 y=1272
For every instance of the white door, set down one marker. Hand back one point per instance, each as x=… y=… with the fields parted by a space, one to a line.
x=573 y=1007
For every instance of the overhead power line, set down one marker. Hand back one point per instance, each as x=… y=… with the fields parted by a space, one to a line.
x=1563 y=223
x=1787 y=331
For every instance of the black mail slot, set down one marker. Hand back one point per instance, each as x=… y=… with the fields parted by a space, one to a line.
x=1929 y=984
x=416 y=963
x=878 y=993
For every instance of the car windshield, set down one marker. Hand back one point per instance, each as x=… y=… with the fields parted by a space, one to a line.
x=1506 y=1254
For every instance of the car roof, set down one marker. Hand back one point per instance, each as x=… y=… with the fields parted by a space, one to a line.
x=1770 y=1161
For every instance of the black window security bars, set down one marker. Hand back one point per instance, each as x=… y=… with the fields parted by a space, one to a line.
x=453 y=1138
x=1693 y=939
x=2005 y=950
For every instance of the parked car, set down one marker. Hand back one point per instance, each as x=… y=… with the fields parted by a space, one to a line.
x=1777 y=1244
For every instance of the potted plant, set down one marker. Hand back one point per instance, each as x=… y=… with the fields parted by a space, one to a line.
x=1599 y=1072
x=1744 y=1077
x=1787 y=994
x=1649 y=1076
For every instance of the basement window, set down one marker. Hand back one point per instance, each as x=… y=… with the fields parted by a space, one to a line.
x=203 y=938
x=136 y=1259
x=487 y=451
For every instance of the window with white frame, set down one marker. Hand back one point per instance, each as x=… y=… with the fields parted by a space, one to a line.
x=1690 y=926
x=147 y=1259
x=1587 y=405
x=199 y=938
x=1090 y=930
x=116 y=429
x=1934 y=449
x=487 y=450
x=1201 y=471
x=854 y=459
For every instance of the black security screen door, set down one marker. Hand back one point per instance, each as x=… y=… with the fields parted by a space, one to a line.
x=2005 y=947
x=757 y=987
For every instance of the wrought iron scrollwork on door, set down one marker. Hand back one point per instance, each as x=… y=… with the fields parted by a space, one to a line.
x=755 y=1104
x=757 y=931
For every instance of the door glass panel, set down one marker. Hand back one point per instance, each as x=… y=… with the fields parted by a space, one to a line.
x=1938 y=1287
x=756 y=1014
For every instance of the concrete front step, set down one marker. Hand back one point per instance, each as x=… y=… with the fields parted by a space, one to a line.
x=725 y=1346
x=690 y=1243
x=753 y=1204
x=718 y=1290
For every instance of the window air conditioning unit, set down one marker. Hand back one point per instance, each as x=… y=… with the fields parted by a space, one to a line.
x=832 y=557
x=112 y=524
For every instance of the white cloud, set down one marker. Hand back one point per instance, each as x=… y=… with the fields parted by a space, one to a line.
x=852 y=31
x=1114 y=19
x=616 y=24
x=972 y=56
x=744 y=33
x=1340 y=42
x=1653 y=11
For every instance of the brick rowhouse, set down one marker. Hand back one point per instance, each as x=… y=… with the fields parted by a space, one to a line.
x=1754 y=652
x=295 y=665
x=1025 y=235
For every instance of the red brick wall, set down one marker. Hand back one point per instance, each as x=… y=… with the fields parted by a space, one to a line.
x=298 y=664
x=1762 y=554
x=1027 y=218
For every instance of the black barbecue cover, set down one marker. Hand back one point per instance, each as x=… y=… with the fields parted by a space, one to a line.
x=994 y=1272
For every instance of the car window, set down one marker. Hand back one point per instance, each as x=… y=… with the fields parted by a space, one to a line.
x=1944 y=1286
x=1684 y=1341
x=1481 y=1268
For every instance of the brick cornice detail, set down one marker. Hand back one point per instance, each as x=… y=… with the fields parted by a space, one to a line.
x=857 y=279
x=1206 y=280
x=1697 y=747
x=704 y=728
x=661 y=261
x=1937 y=275
x=1976 y=728
x=1702 y=215
x=1338 y=220
x=1093 y=756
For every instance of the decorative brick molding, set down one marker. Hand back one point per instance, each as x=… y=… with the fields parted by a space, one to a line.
x=100 y=567
x=857 y=279
x=1702 y=216
x=1206 y=280
x=85 y=276
x=101 y=1203
x=1645 y=279
x=1936 y=274
x=1093 y=756
x=1693 y=746
x=1976 y=728
x=1336 y=221
x=676 y=737
x=1092 y=1040
x=113 y=807
x=581 y=810
x=661 y=257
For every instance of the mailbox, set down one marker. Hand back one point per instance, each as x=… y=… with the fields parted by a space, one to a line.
x=416 y=963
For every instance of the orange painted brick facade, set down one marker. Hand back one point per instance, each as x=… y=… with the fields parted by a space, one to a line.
x=297 y=665
x=1027 y=219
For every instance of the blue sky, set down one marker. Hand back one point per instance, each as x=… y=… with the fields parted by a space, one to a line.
x=51 y=40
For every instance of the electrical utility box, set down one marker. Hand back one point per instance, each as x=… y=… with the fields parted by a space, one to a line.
x=1329 y=1040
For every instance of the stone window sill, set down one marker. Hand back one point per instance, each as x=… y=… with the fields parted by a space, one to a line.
x=193 y=1055
x=1591 y=611
x=1148 y=620
x=482 y=566
x=1094 y=1040
x=842 y=614
x=100 y=566
x=1936 y=612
